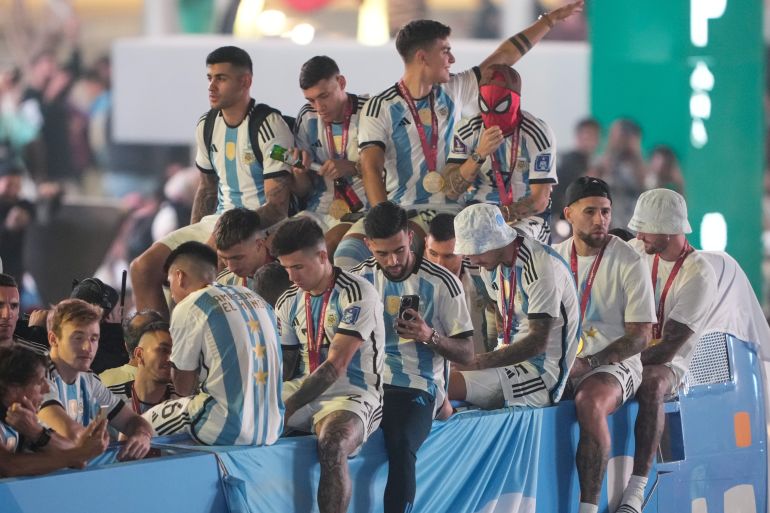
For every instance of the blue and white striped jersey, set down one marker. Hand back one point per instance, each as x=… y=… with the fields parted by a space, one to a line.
x=230 y=334
x=241 y=177
x=536 y=163
x=310 y=135
x=544 y=288
x=227 y=277
x=409 y=363
x=354 y=309
x=83 y=398
x=9 y=437
x=388 y=123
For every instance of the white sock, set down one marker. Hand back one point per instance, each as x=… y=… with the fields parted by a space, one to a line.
x=633 y=495
x=586 y=507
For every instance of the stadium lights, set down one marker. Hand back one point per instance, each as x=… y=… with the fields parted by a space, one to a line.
x=245 y=24
x=373 y=23
x=713 y=232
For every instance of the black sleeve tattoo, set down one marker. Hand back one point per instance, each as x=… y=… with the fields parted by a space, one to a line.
x=278 y=195
x=528 y=347
x=313 y=386
x=205 y=201
x=675 y=334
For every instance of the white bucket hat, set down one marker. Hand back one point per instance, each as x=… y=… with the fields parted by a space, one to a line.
x=660 y=211
x=480 y=228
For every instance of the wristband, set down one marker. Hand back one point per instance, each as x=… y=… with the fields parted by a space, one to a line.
x=42 y=440
x=547 y=19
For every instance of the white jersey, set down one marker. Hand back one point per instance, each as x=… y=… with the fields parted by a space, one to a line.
x=535 y=163
x=621 y=293
x=388 y=123
x=310 y=135
x=689 y=299
x=354 y=309
x=118 y=375
x=232 y=159
x=83 y=398
x=230 y=332
x=544 y=288
x=409 y=363
x=125 y=391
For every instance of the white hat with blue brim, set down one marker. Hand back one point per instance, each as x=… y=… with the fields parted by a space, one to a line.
x=480 y=228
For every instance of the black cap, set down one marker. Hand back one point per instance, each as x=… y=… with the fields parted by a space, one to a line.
x=96 y=292
x=586 y=187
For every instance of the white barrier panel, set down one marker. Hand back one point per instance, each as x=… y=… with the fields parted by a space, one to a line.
x=160 y=82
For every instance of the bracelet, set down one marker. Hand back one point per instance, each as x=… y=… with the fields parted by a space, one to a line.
x=547 y=18
x=42 y=440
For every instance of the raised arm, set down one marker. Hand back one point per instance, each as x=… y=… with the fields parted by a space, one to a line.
x=514 y=48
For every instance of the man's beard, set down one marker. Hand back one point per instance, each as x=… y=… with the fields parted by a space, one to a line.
x=592 y=241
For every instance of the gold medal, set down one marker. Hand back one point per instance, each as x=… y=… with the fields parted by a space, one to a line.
x=392 y=303
x=426 y=116
x=338 y=208
x=654 y=342
x=433 y=182
x=581 y=346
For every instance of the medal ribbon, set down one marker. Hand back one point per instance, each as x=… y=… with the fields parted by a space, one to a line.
x=509 y=305
x=314 y=342
x=506 y=195
x=657 y=330
x=591 y=275
x=430 y=151
x=345 y=128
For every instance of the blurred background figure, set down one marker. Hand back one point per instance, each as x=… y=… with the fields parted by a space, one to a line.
x=663 y=170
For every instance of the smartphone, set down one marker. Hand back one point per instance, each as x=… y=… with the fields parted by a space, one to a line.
x=103 y=411
x=408 y=302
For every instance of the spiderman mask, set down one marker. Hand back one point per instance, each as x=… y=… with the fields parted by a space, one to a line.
x=500 y=98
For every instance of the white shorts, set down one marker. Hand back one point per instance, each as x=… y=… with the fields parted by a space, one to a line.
x=628 y=373
x=200 y=232
x=367 y=406
x=514 y=385
x=325 y=221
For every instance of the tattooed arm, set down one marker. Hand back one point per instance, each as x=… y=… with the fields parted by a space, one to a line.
x=532 y=204
x=205 y=201
x=634 y=341
x=341 y=351
x=513 y=49
x=675 y=334
x=278 y=195
x=531 y=345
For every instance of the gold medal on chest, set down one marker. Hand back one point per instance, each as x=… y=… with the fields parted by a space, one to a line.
x=433 y=182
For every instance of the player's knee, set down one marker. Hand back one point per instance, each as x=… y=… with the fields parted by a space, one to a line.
x=589 y=407
x=654 y=387
x=458 y=390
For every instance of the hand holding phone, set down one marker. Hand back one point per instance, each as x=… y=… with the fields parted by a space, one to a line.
x=409 y=302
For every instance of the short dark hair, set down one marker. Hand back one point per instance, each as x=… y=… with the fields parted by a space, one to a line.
x=316 y=69
x=270 y=281
x=96 y=292
x=235 y=226
x=195 y=251
x=136 y=325
x=6 y=280
x=384 y=220
x=230 y=54
x=419 y=35
x=442 y=227
x=18 y=365
x=588 y=123
x=295 y=235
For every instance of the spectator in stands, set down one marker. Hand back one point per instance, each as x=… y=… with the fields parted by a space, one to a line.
x=418 y=342
x=537 y=299
x=133 y=328
x=151 y=385
x=241 y=247
x=26 y=447
x=228 y=333
x=270 y=281
x=617 y=310
x=440 y=249
x=664 y=170
x=9 y=316
x=333 y=321
x=16 y=215
x=623 y=168
x=685 y=286
x=77 y=397
x=576 y=162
